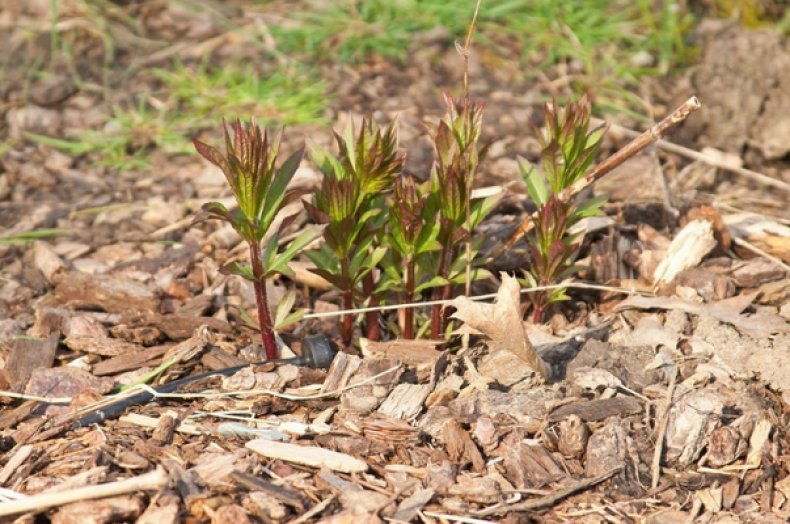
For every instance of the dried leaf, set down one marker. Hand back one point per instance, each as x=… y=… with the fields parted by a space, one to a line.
x=501 y=321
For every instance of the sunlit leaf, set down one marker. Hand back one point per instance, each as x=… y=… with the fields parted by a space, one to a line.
x=280 y=261
x=242 y=270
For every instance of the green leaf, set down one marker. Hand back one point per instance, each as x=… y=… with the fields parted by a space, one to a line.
x=348 y=143
x=558 y=295
x=283 y=316
x=397 y=240
x=318 y=155
x=571 y=270
x=242 y=225
x=18 y=239
x=376 y=256
x=276 y=192
x=338 y=281
x=269 y=252
x=528 y=280
x=433 y=282
x=217 y=210
x=284 y=307
x=479 y=210
x=292 y=318
x=359 y=264
x=243 y=188
x=242 y=270
x=536 y=188
x=213 y=155
x=280 y=262
x=427 y=239
x=391 y=265
x=247 y=320
x=476 y=274
x=580 y=164
x=324 y=258
x=588 y=208
x=389 y=285
x=596 y=135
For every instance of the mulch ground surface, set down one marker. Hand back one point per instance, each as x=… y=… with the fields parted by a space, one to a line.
x=666 y=406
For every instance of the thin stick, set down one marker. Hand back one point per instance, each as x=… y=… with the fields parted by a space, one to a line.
x=315 y=510
x=660 y=432
x=729 y=207
x=711 y=161
x=22 y=396
x=489 y=296
x=468 y=46
x=756 y=250
x=632 y=148
x=269 y=392
x=153 y=480
x=468 y=101
x=549 y=500
x=454 y=518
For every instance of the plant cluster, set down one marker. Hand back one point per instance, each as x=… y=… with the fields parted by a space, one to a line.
x=568 y=147
x=351 y=204
x=458 y=153
x=390 y=236
x=260 y=190
x=389 y=233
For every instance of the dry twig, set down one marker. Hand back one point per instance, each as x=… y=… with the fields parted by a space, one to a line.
x=151 y=481
x=660 y=432
x=632 y=148
x=550 y=500
x=711 y=161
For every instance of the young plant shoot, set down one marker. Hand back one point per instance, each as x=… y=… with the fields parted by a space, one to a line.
x=456 y=140
x=413 y=234
x=260 y=190
x=351 y=204
x=568 y=147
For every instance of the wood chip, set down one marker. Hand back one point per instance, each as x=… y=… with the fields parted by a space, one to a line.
x=106 y=347
x=129 y=361
x=27 y=355
x=114 y=509
x=110 y=293
x=460 y=446
x=598 y=409
x=406 y=401
x=389 y=430
x=282 y=494
x=307 y=456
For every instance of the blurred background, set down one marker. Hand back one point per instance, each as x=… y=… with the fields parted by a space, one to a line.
x=99 y=100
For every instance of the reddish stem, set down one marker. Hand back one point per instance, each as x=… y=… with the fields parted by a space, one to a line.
x=408 y=313
x=436 y=316
x=348 y=318
x=371 y=317
x=537 y=315
x=264 y=316
x=437 y=320
x=447 y=311
x=540 y=302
